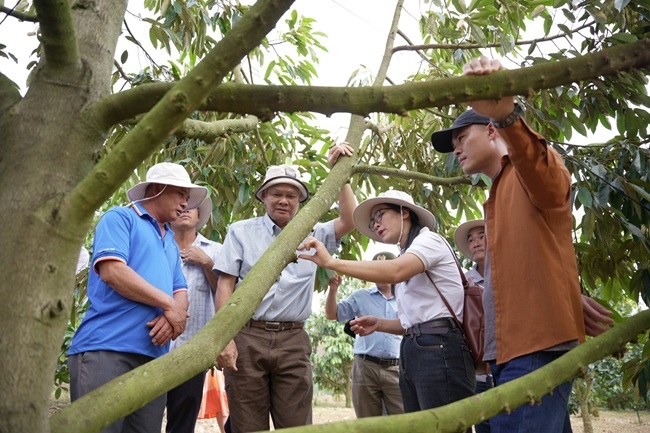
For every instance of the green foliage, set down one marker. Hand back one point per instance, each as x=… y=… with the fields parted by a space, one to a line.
x=611 y=188
x=331 y=348
x=613 y=389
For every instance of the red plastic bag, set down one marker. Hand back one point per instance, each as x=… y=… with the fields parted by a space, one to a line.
x=215 y=400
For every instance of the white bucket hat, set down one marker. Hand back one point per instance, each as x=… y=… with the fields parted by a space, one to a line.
x=168 y=173
x=461 y=233
x=361 y=215
x=284 y=173
x=205 y=212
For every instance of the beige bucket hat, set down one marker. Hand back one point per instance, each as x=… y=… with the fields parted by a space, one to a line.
x=361 y=215
x=461 y=233
x=284 y=173
x=168 y=173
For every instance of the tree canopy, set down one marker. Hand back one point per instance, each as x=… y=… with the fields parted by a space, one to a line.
x=239 y=97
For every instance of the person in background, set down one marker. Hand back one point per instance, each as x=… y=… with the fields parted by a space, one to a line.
x=435 y=365
x=198 y=255
x=375 y=369
x=268 y=367
x=136 y=289
x=469 y=238
x=532 y=300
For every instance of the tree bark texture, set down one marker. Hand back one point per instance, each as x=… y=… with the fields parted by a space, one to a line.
x=46 y=147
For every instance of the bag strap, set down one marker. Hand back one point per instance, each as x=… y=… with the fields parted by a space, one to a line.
x=462 y=277
x=460 y=270
x=458 y=323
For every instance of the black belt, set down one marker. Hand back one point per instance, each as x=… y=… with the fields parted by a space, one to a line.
x=384 y=362
x=436 y=326
x=275 y=326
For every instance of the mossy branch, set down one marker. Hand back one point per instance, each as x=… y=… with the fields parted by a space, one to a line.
x=264 y=101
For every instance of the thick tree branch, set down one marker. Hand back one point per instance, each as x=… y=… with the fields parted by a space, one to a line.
x=209 y=131
x=9 y=94
x=183 y=98
x=264 y=101
x=18 y=15
x=58 y=36
x=200 y=352
x=479 y=46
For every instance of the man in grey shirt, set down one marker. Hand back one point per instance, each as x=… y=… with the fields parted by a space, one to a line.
x=267 y=365
x=198 y=255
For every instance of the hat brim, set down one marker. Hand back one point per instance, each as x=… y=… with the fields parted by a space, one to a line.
x=461 y=233
x=205 y=211
x=361 y=214
x=304 y=192
x=441 y=140
x=197 y=193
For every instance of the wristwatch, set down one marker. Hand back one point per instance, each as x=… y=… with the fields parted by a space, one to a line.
x=512 y=117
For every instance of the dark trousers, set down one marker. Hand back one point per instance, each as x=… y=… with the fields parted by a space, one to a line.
x=90 y=370
x=483 y=426
x=435 y=370
x=183 y=405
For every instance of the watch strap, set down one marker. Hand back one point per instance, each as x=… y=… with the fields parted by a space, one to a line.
x=511 y=119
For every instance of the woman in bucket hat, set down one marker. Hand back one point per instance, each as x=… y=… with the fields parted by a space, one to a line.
x=435 y=363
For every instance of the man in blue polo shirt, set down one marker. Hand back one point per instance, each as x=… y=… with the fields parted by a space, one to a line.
x=136 y=289
x=375 y=370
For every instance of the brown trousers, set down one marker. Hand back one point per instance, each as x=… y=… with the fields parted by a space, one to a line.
x=375 y=388
x=274 y=376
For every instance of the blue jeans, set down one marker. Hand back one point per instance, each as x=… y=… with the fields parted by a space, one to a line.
x=483 y=426
x=547 y=417
x=435 y=370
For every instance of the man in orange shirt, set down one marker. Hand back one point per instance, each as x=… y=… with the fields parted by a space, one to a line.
x=531 y=275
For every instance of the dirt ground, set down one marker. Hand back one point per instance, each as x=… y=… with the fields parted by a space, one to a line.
x=327 y=410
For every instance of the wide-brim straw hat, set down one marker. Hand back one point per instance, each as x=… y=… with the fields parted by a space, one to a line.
x=461 y=233
x=286 y=174
x=361 y=215
x=168 y=173
x=205 y=211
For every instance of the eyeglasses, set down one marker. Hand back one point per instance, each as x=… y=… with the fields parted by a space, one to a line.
x=376 y=218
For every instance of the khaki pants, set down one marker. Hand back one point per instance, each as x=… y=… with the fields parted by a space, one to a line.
x=374 y=388
x=274 y=375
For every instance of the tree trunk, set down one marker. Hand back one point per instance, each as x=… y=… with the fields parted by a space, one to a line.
x=46 y=147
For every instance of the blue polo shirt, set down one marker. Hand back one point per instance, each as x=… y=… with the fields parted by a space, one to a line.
x=114 y=322
x=371 y=302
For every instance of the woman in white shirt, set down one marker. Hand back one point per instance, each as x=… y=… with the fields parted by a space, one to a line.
x=436 y=367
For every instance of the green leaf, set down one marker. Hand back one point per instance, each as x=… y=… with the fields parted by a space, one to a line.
x=124 y=57
x=624 y=37
x=584 y=196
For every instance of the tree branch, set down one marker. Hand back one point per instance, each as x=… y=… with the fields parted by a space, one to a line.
x=18 y=15
x=479 y=46
x=264 y=101
x=199 y=353
x=183 y=98
x=58 y=38
x=121 y=72
x=209 y=131
x=412 y=175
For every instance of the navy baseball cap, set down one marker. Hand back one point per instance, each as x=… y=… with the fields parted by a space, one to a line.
x=441 y=140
